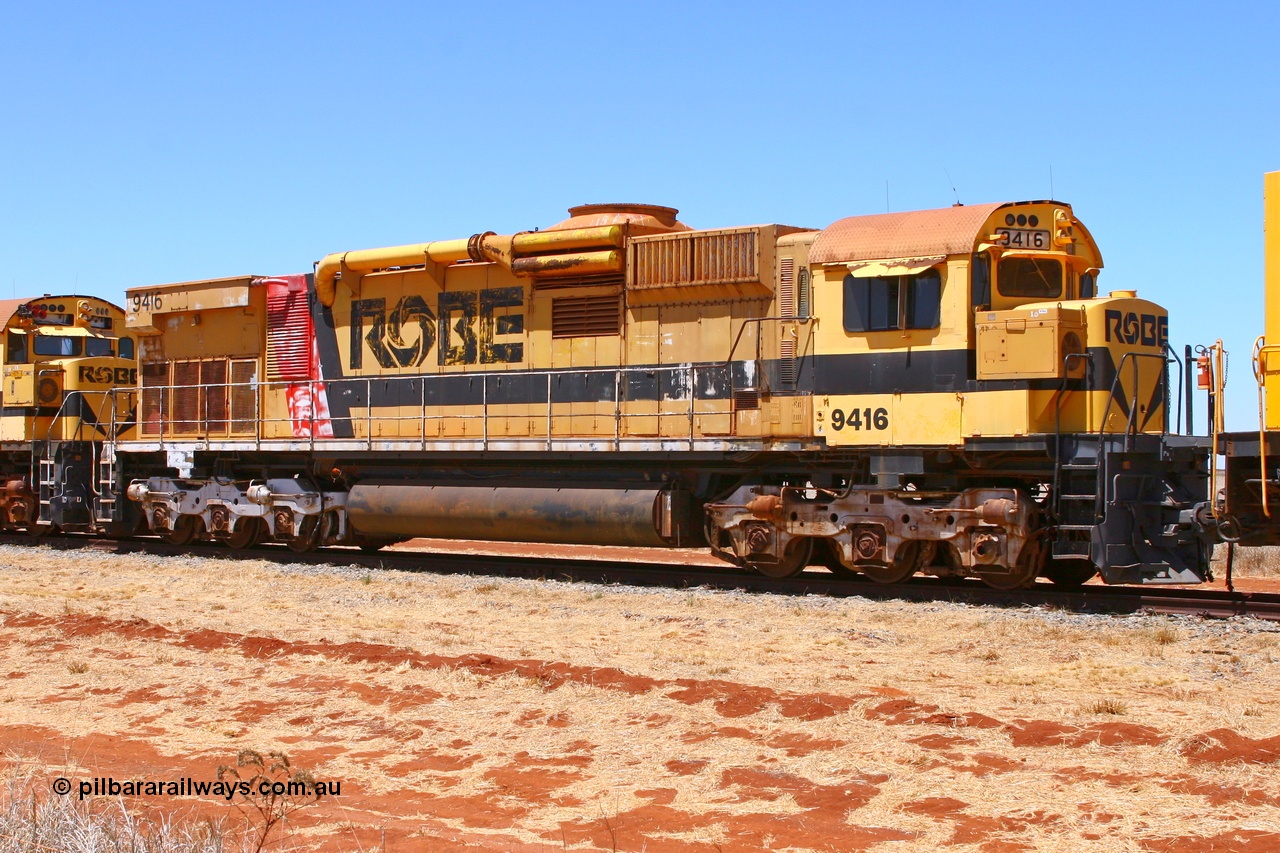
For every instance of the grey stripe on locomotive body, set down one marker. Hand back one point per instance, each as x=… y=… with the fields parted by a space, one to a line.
x=891 y=372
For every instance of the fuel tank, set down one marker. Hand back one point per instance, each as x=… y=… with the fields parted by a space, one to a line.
x=646 y=517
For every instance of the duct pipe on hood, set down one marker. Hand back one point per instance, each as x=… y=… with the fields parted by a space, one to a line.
x=479 y=247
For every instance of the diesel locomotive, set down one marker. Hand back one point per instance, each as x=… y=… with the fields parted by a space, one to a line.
x=1247 y=499
x=940 y=391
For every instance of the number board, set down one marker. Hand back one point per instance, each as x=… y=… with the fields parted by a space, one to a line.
x=884 y=420
x=1022 y=238
x=140 y=305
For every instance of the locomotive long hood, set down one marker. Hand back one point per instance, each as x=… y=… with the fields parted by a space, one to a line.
x=590 y=242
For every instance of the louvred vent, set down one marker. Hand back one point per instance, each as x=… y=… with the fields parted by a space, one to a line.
x=586 y=316
x=289 y=330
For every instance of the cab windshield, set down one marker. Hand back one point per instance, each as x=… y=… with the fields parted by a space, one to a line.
x=56 y=346
x=1037 y=277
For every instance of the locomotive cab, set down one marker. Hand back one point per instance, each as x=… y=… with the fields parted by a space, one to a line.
x=968 y=346
x=68 y=368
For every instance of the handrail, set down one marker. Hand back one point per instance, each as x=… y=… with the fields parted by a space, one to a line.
x=1131 y=427
x=1260 y=352
x=758 y=321
x=1057 y=421
x=1171 y=357
x=195 y=428
x=1216 y=355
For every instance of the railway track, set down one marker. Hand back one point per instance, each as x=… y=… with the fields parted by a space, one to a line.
x=1088 y=599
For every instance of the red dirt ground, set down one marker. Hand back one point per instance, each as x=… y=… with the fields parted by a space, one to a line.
x=413 y=820
x=495 y=752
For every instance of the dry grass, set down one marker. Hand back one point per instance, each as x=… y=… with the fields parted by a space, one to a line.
x=31 y=819
x=453 y=763
x=1261 y=562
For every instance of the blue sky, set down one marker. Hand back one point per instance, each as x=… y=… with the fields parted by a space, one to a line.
x=147 y=143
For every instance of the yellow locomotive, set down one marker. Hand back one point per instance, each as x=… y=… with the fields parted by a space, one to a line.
x=941 y=391
x=1247 y=502
x=68 y=367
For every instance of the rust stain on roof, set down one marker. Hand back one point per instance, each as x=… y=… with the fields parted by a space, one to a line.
x=913 y=233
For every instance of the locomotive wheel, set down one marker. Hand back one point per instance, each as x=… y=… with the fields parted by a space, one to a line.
x=1022 y=576
x=824 y=554
x=792 y=563
x=1069 y=574
x=1030 y=562
x=905 y=563
x=308 y=538
x=248 y=533
x=371 y=545
x=184 y=530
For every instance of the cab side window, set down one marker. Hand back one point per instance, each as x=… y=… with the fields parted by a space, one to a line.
x=1088 y=285
x=16 y=351
x=886 y=303
x=126 y=347
x=980 y=282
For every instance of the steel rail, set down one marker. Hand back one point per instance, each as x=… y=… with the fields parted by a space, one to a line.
x=1086 y=599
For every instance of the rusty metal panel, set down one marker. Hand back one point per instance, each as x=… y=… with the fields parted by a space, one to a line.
x=916 y=233
x=143 y=304
x=213 y=380
x=185 y=414
x=726 y=258
x=155 y=398
x=731 y=256
x=244 y=395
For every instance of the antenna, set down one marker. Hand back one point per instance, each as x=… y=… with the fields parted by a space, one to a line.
x=953 y=187
x=1051 y=195
x=886 y=195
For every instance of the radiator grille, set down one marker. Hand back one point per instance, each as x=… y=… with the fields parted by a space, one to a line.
x=289 y=331
x=196 y=397
x=185 y=413
x=155 y=400
x=787 y=367
x=586 y=316
x=787 y=287
x=244 y=380
x=213 y=376
x=703 y=257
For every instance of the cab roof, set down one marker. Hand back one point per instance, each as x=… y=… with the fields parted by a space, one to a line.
x=913 y=233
